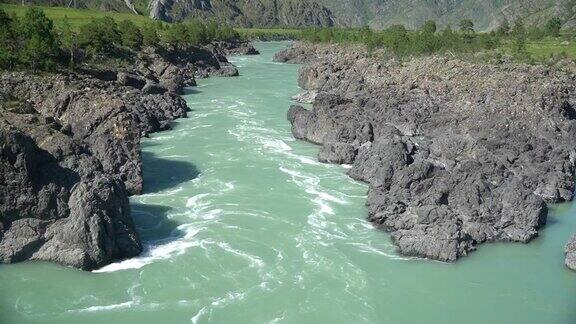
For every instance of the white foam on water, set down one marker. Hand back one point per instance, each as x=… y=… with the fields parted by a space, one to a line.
x=196 y=201
x=161 y=137
x=277 y=145
x=199 y=126
x=278 y=319
x=175 y=156
x=199 y=315
x=306 y=160
x=253 y=261
x=325 y=208
x=160 y=194
x=366 y=248
x=326 y=196
x=317 y=220
x=91 y=309
x=158 y=250
x=301 y=179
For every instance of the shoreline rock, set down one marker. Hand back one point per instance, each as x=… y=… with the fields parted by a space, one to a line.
x=570 y=251
x=455 y=154
x=70 y=153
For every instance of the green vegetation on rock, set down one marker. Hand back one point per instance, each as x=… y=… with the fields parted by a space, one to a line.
x=31 y=40
x=528 y=44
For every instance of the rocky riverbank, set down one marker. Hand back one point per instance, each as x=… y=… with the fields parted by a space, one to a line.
x=570 y=251
x=70 y=152
x=455 y=154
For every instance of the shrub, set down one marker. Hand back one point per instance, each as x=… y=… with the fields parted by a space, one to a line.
x=466 y=26
x=131 y=35
x=176 y=35
x=100 y=36
x=39 y=41
x=150 y=35
x=8 y=41
x=553 y=27
x=69 y=40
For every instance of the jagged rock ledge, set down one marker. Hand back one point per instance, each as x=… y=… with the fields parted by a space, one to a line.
x=455 y=154
x=70 y=152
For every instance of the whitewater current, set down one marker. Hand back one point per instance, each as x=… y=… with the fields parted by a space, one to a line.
x=241 y=224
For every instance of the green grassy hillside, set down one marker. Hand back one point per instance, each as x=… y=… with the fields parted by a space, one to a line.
x=77 y=17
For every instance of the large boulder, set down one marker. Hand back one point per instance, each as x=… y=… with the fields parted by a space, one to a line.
x=51 y=212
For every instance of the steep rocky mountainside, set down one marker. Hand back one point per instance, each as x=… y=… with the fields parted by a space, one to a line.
x=451 y=161
x=413 y=13
x=377 y=13
x=250 y=13
x=70 y=152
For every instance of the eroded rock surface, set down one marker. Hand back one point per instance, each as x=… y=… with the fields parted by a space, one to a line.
x=570 y=251
x=455 y=154
x=70 y=153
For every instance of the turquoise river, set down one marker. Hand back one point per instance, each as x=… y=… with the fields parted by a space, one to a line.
x=241 y=224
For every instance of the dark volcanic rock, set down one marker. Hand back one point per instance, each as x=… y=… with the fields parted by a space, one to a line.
x=235 y=48
x=68 y=166
x=571 y=253
x=300 y=53
x=455 y=154
x=131 y=80
x=70 y=154
x=52 y=212
x=154 y=88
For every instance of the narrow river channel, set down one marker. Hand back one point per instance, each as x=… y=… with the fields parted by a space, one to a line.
x=242 y=225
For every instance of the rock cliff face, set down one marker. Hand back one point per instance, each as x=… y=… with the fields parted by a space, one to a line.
x=245 y=13
x=455 y=154
x=70 y=153
x=486 y=14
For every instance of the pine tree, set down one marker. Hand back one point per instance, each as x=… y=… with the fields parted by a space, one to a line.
x=131 y=35
x=150 y=35
x=553 y=27
x=504 y=28
x=429 y=27
x=7 y=41
x=40 y=42
x=466 y=26
x=100 y=36
x=519 y=42
x=68 y=39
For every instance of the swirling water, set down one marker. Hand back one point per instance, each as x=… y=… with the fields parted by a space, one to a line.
x=242 y=225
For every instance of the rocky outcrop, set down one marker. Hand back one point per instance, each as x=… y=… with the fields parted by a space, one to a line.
x=68 y=163
x=570 y=251
x=247 y=13
x=131 y=6
x=455 y=154
x=70 y=154
x=235 y=48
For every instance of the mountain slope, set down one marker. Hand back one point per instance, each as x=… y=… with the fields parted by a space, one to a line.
x=248 y=13
x=486 y=14
x=103 y=5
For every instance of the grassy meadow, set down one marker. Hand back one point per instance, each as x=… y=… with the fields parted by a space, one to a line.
x=76 y=17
